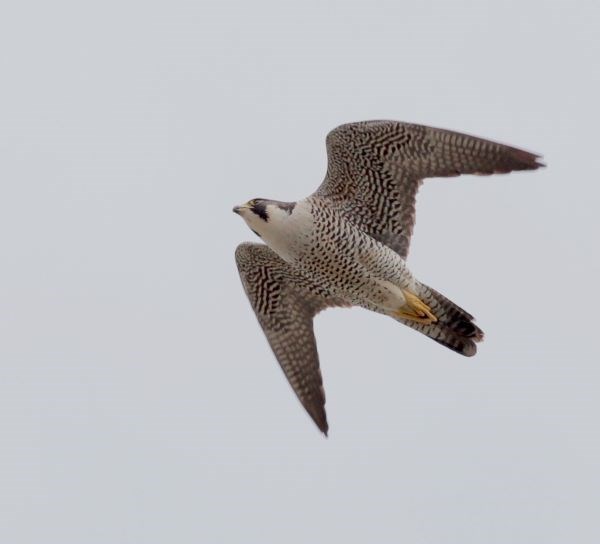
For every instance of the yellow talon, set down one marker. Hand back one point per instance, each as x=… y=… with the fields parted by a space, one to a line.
x=415 y=309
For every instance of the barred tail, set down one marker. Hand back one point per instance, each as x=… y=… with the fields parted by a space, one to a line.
x=454 y=328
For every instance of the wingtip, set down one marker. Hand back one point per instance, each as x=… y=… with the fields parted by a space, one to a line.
x=316 y=411
x=537 y=161
x=323 y=427
x=322 y=424
x=529 y=161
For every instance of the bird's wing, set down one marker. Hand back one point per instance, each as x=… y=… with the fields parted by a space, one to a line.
x=285 y=304
x=375 y=168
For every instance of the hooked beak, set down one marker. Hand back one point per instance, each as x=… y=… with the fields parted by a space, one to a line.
x=238 y=209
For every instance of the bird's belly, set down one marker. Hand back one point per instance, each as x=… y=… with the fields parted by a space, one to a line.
x=368 y=277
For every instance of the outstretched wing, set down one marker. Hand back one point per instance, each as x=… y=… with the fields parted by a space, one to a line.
x=285 y=304
x=375 y=168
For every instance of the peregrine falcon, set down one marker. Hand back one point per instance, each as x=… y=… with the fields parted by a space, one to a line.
x=347 y=243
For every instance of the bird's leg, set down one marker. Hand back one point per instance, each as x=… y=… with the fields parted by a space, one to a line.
x=415 y=309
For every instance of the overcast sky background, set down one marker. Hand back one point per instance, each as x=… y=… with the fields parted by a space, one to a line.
x=139 y=400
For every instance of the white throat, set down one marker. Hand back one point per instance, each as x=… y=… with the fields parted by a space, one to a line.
x=287 y=231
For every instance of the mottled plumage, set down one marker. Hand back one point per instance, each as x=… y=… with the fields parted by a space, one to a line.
x=346 y=244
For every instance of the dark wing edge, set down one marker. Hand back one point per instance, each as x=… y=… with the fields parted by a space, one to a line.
x=285 y=304
x=452 y=153
x=428 y=151
x=375 y=168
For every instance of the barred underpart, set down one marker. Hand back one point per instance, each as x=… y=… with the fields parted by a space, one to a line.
x=347 y=243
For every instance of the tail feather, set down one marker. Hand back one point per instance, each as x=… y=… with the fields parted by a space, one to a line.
x=454 y=328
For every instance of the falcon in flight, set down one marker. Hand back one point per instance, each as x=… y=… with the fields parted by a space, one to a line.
x=347 y=243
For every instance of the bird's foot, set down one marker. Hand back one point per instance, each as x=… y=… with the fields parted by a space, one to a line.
x=415 y=310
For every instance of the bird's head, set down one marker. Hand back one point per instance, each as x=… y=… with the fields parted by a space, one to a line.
x=264 y=216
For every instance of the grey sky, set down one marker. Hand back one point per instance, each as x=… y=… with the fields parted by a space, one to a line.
x=139 y=400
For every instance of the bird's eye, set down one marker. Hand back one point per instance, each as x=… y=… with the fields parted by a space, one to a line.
x=251 y=202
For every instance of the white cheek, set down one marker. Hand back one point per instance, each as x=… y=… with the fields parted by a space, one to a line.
x=250 y=219
x=255 y=224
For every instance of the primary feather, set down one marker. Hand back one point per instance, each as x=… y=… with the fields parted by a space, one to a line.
x=347 y=243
